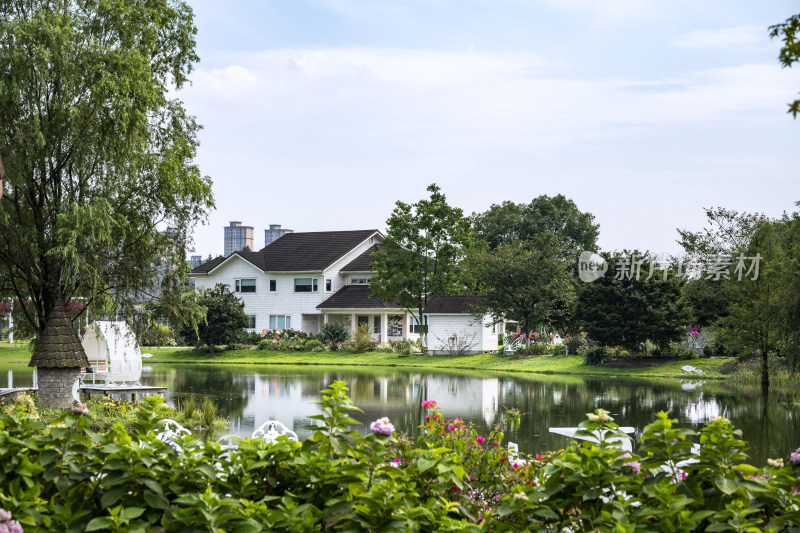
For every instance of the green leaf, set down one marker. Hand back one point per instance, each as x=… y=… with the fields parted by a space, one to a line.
x=156 y=501
x=725 y=485
x=112 y=496
x=129 y=513
x=425 y=464
x=101 y=522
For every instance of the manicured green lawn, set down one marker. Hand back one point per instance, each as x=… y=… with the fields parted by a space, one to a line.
x=545 y=364
x=14 y=353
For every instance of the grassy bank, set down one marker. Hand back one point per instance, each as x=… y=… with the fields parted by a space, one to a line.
x=17 y=352
x=572 y=365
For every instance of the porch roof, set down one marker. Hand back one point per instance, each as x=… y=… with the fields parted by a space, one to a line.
x=355 y=297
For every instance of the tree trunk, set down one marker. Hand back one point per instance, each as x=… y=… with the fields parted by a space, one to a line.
x=764 y=365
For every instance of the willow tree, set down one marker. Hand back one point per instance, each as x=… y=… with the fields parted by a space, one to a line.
x=98 y=150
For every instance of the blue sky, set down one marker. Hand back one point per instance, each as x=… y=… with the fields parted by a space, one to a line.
x=321 y=114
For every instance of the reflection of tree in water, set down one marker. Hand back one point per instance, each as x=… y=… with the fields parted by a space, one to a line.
x=544 y=401
x=230 y=389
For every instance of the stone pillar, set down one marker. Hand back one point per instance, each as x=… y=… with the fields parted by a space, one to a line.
x=55 y=386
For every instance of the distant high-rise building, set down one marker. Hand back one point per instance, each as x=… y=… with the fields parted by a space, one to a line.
x=238 y=237
x=274 y=232
x=195 y=261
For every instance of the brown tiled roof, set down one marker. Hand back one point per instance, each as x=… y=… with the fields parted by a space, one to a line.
x=453 y=305
x=363 y=263
x=59 y=346
x=298 y=252
x=354 y=297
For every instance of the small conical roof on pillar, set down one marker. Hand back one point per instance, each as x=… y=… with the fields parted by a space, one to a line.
x=59 y=346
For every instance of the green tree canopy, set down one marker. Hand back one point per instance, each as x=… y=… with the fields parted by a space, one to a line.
x=423 y=249
x=558 y=215
x=789 y=33
x=225 y=317
x=620 y=310
x=98 y=151
x=528 y=281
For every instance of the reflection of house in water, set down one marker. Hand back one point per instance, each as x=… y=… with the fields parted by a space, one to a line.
x=280 y=398
x=700 y=411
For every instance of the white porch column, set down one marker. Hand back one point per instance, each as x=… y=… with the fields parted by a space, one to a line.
x=324 y=318
x=353 y=322
x=384 y=327
x=10 y=328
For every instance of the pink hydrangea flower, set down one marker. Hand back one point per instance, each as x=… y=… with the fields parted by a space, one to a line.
x=7 y=525
x=429 y=404
x=382 y=426
x=480 y=440
x=636 y=466
x=80 y=409
x=794 y=458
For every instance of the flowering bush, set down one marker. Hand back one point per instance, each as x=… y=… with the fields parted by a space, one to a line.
x=75 y=306
x=64 y=477
x=7 y=525
x=287 y=340
x=5 y=308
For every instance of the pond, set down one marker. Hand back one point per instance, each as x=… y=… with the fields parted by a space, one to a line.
x=249 y=395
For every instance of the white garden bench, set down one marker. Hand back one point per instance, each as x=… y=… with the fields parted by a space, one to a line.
x=688 y=369
x=272 y=429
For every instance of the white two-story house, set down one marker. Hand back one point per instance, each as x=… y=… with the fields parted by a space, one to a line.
x=303 y=280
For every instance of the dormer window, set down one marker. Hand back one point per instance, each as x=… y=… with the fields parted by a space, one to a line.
x=359 y=281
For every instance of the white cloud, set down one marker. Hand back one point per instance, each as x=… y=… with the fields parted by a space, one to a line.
x=329 y=138
x=722 y=38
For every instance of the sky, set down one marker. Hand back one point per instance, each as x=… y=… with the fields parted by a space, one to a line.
x=321 y=114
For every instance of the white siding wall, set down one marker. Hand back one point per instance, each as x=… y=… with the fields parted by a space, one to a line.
x=332 y=272
x=284 y=301
x=441 y=327
x=263 y=303
x=489 y=343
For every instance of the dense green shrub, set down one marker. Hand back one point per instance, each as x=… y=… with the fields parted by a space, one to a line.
x=250 y=337
x=362 y=339
x=235 y=346
x=64 y=477
x=313 y=345
x=687 y=354
x=558 y=349
x=267 y=344
x=534 y=348
x=334 y=333
x=157 y=335
x=402 y=346
x=595 y=356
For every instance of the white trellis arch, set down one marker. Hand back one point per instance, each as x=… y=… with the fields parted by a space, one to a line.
x=113 y=352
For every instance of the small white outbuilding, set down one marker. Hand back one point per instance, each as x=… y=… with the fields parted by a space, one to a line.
x=457 y=327
x=113 y=352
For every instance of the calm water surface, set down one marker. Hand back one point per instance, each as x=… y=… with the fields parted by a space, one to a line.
x=249 y=395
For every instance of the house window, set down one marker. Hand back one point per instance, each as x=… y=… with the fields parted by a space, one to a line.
x=305 y=284
x=328 y=285
x=413 y=325
x=252 y=319
x=273 y=285
x=280 y=321
x=245 y=285
x=395 y=325
x=359 y=281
